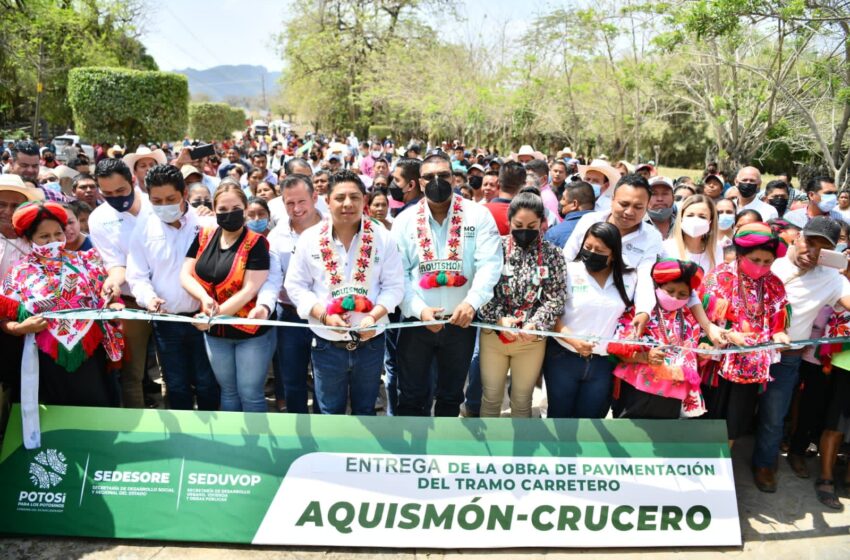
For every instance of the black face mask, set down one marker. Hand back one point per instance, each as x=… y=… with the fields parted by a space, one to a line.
x=475 y=182
x=198 y=203
x=438 y=190
x=121 y=203
x=594 y=262
x=780 y=203
x=747 y=190
x=395 y=192
x=231 y=221
x=525 y=237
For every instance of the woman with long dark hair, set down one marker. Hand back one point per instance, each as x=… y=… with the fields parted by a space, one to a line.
x=599 y=289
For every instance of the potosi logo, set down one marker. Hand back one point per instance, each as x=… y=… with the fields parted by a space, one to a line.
x=48 y=468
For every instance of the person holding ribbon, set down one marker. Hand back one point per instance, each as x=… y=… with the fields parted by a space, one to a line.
x=694 y=237
x=599 y=288
x=745 y=297
x=344 y=277
x=452 y=259
x=660 y=380
x=225 y=269
x=530 y=296
x=72 y=352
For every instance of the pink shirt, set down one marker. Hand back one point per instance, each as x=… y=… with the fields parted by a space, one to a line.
x=550 y=201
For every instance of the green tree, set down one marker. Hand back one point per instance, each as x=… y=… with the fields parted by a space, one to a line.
x=41 y=40
x=214 y=121
x=131 y=106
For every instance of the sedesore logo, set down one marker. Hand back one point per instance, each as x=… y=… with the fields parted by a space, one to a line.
x=48 y=468
x=46 y=471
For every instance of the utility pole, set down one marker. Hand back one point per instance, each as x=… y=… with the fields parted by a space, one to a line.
x=263 y=83
x=39 y=87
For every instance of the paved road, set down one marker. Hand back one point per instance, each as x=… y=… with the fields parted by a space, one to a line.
x=790 y=524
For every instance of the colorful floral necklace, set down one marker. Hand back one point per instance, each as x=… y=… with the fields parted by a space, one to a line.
x=433 y=272
x=351 y=296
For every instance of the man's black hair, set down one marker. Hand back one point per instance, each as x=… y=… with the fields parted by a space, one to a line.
x=512 y=176
x=111 y=166
x=409 y=168
x=346 y=176
x=26 y=147
x=634 y=180
x=160 y=175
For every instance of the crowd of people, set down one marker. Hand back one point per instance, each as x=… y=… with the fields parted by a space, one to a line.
x=608 y=282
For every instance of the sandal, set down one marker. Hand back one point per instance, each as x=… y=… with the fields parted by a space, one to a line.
x=827 y=497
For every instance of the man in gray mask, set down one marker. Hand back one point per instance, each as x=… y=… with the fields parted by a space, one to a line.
x=661 y=212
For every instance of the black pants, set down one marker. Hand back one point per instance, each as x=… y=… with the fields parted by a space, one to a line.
x=452 y=347
x=818 y=407
x=86 y=386
x=11 y=351
x=637 y=404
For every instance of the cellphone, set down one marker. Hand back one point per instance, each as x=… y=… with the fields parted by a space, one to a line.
x=204 y=150
x=832 y=259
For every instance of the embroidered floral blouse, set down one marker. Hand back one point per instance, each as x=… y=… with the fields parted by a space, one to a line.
x=54 y=285
x=757 y=308
x=678 y=377
x=532 y=286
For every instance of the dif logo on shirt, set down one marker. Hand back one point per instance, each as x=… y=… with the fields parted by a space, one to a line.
x=46 y=472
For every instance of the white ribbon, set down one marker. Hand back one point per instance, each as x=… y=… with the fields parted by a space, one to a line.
x=29 y=394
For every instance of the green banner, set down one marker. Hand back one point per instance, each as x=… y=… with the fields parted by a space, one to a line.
x=374 y=481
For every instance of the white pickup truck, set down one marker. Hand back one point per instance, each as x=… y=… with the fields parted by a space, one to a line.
x=65 y=150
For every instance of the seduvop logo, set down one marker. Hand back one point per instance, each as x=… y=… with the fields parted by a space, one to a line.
x=48 y=468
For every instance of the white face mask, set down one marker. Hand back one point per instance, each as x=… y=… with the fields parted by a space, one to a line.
x=51 y=250
x=168 y=213
x=695 y=226
x=376 y=154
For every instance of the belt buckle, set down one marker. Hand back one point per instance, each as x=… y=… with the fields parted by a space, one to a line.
x=354 y=342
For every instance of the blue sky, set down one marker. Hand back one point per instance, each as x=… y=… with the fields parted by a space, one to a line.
x=200 y=34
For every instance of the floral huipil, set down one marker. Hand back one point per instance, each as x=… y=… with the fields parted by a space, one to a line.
x=72 y=282
x=532 y=287
x=838 y=326
x=678 y=377
x=757 y=308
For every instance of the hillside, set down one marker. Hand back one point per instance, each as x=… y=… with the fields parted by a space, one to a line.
x=240 y=81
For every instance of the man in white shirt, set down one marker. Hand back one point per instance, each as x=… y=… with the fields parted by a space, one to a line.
x=642 y=245
x=808 y=287
x=443 y=237
x=346 y=272
x=294 y=166
x=111 y=227
x=748 y=182
x=293 y=343
x=157 y=250
x=823 y=198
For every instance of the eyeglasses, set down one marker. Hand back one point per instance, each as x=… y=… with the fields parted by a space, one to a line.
x=430 y=176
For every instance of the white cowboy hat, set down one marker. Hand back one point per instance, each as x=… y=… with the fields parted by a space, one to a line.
x=187 y=170
x=567 y=152
x=145 y=152
x=14 y=183
x=629 y=167
x=602 y=167
x=116 y=148
x=525 y=150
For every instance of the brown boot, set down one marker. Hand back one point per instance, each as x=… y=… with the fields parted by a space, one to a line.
x=798 y=465
x=765 y=479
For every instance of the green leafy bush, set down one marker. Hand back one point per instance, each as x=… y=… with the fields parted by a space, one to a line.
x=129 y=106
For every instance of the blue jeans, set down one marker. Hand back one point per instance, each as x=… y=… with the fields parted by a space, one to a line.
x=473 y=389
x=773 y=406
x=576 y=387
x=339 y=375
x=185 y=364
x=293 y=361
x=240 y=366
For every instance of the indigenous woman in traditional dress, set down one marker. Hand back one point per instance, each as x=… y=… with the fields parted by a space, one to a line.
x=748 y=299
x=72 y=353
x=346 y=273
x=529 y=295
x=661 y=380
x=225 y=268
